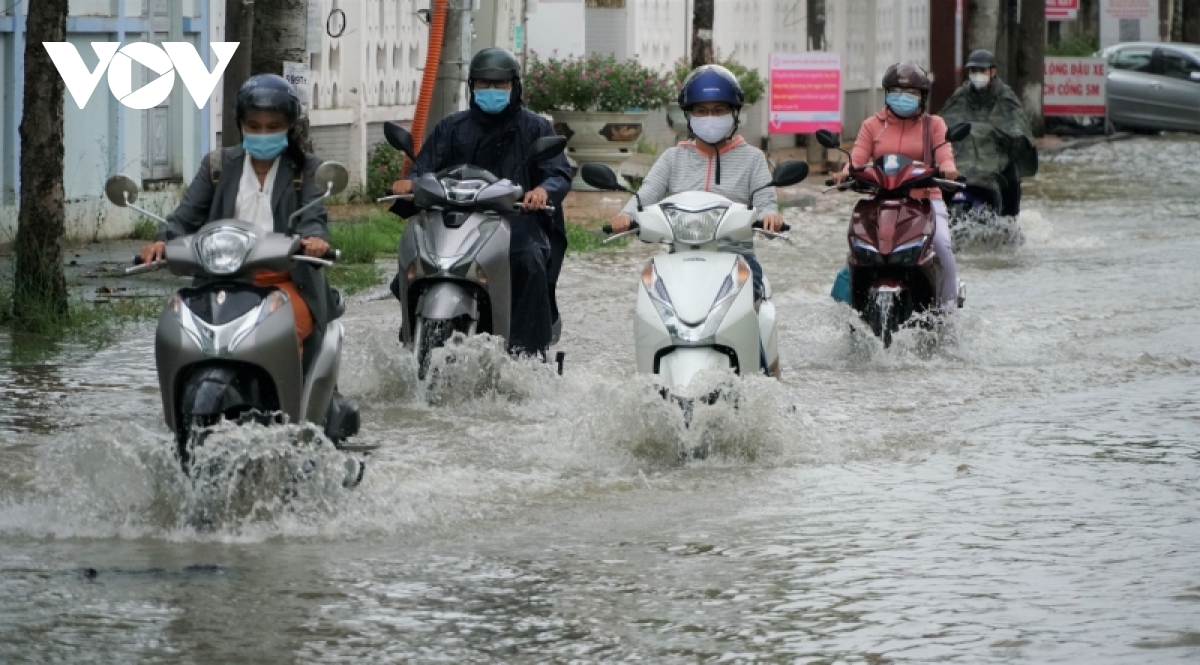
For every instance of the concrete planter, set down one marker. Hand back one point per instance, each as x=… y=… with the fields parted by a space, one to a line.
x=604 y=138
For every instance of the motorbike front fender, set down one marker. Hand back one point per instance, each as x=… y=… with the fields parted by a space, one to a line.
x=447 y=300
x=679 y=367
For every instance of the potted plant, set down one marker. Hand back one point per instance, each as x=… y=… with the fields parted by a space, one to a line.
x=597 y=102
x=752 y=85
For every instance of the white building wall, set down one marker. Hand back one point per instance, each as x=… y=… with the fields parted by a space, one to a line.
x=556 y=28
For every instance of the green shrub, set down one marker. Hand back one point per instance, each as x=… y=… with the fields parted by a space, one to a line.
x=383 y=168
x=145 y=229
x=1078 y=46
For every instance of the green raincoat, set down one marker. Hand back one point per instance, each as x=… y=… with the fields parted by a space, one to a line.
x=1000 y=133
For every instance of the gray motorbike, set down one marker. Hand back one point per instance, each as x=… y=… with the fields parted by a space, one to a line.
x=226 y=348
x=453 y=255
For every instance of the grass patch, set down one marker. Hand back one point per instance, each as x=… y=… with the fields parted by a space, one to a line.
x=583 y=239
x=363 y=239
x=354 y=278
x=92 y=323
x=145 y=229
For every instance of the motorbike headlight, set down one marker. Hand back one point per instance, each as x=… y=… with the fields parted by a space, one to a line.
x=224 y=250
x=462 y=191
x=865 y=254
x=694 y=227
x=908 y=254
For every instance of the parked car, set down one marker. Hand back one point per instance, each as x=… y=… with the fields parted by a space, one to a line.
x=1153 y=86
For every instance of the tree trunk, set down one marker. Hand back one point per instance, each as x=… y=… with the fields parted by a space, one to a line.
x=816 y=25
x=39 y=287
x=1176 y=21
x=239 y=27
x=702 y=33
x=1029 y=62
x=281 y=35
x=983 y=19
x=1191 y=22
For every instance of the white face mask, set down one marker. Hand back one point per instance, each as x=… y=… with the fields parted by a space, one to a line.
x=713 y=129
x=980 y=81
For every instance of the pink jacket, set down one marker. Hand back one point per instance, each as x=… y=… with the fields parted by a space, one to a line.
x=886 y=134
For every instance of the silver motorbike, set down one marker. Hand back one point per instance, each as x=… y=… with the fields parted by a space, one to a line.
x=226 y=348
x=454 y=253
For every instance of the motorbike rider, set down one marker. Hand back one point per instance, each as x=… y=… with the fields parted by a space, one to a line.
x=264 y=181
x=717 y=160
x=495 y=134
x=903 y=127
x=985 y=100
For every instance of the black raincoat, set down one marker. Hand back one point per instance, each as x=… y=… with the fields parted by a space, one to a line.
x=499 y=143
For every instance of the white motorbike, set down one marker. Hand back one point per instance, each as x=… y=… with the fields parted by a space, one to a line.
x=696 y=311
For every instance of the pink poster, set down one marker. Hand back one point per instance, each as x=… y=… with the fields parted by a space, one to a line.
x=806 y=92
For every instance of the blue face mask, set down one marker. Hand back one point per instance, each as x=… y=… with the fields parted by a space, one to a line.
x=264 y=146
x=903 y=104
x=492 y=101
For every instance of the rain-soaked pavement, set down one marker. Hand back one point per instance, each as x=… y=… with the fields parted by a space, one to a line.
x=1025 y=492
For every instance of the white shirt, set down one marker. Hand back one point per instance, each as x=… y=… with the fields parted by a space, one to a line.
x=254 y=200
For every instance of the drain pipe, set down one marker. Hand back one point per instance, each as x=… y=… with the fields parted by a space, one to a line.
x=437 y=32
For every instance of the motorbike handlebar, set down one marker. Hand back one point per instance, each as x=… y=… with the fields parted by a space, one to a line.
x=518 y=207
x=786 y=226
x=607 y=229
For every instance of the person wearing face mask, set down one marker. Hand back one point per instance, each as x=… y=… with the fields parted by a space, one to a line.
x=495 y=134
x=717 y=160
x=1001 y=148
x=264 y=181
x=904 y=128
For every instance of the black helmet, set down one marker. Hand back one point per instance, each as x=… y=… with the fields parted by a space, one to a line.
x=495 y=64
x=981 y=59
x=711 y=83
x=269 y=92
x=906 y=75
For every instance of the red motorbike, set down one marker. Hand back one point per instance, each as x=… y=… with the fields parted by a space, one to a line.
x=893 y=270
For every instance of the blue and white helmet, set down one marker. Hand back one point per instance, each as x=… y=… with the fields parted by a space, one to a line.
x=711 y=83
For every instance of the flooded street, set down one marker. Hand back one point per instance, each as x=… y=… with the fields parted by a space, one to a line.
x=1027 y=491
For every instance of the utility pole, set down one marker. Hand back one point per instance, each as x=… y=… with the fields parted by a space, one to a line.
x=816 y=42
x=452 y=66
x=280 y=35
x=1029 y=62
x=39 y=287
x=816 y=25
x=239 y=27
x=702 y=33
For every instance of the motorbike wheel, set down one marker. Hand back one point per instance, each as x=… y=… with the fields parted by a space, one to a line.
x=430 y=334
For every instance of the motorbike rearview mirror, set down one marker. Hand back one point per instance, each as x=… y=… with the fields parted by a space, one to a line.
x=545 y=148
x=958 y=132
x=789 y=173
x=399 y=138
x=334 y=177
x=786 y=174
x=828 y=139
x=603 y=178
x=121 y=190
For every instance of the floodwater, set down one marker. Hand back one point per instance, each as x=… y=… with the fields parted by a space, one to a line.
x=1024 y=491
